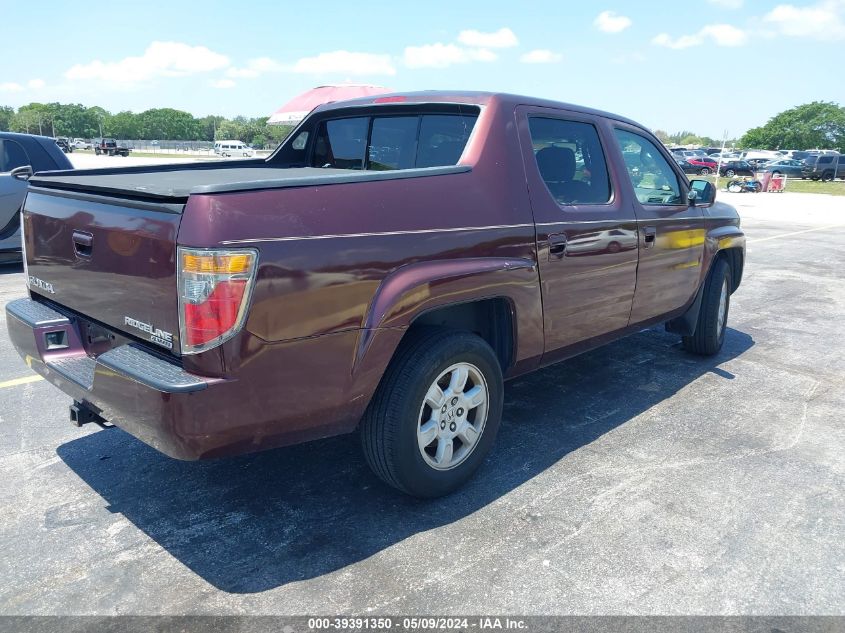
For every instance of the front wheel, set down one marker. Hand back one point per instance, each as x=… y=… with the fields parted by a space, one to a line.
x=713 y=314
x=435 y=414
x=827 y=176
x=704 y=171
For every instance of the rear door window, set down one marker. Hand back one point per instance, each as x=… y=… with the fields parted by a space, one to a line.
x=571 y=160
x=12 y=155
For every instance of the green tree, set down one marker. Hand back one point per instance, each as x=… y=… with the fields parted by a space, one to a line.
x=169 y=124
x=820 y=124
x=124 y=125
x=6 y=114
x=690 y=139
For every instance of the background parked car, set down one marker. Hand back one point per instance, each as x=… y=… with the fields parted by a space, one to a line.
x=18 y=150
x=685 y=165
x=825 y=167
x=759 y=163
x=787 y=166
x=736 y=168
x=81 y=143
x=109 y=146
x=64 y=145
x=705 y=164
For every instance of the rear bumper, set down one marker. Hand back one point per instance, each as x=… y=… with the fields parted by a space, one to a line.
x=152 y=399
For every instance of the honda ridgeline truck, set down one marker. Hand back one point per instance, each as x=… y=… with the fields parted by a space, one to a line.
x=385 y=269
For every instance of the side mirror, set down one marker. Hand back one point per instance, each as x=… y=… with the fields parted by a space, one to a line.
x=21 y=173
x=702 y=193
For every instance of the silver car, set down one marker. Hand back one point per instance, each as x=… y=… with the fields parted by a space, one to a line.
x=19 y=150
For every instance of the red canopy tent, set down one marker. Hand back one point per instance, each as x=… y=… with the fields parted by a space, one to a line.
x=298 y=108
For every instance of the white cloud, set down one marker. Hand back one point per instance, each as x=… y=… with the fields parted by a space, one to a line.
x=222 y=83
x=611 y=22
x=540 y=56
x=35 y=84
x=725 y=34
x=442 y=55
x=256 y=67
x=720 y=34
x=727 y=4
x=821 y=21
x=10 y=86
x=161 y=59
x=345 y=62
x=503 y=38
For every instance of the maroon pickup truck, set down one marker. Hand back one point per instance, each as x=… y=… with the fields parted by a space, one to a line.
x=384 y=270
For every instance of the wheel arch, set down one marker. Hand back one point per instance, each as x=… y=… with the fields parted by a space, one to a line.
x=498 y=298
x=730 y=247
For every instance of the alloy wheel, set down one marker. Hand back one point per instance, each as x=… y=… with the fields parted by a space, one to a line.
x=452 y=416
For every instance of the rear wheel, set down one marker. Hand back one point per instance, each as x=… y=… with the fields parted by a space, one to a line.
x=827 y=176
x=730 y=173
x=713 y=314
x=703 y=171
x=435 y=414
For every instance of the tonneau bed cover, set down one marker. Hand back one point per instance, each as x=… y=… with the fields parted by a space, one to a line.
x=177 y=182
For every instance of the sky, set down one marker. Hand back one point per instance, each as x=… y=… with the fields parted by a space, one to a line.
x=707 y=66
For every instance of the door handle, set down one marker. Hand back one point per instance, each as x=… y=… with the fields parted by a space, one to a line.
x=557 y=245
x=649 y=236
x=82 y=243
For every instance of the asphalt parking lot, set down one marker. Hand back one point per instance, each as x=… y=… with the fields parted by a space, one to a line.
x=634 y=479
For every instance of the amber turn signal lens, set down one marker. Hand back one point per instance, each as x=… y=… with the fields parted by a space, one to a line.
x=216 y=264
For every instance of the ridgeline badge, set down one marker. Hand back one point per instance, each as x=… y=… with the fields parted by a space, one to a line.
x=157 y=336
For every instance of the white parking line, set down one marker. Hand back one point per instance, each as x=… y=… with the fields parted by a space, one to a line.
x=777 y=237
x=20 y=381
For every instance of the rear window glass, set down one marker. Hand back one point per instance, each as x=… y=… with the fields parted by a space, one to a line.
x=393 y=143
x=384 y=143
x=442 y=139
x=340 y=143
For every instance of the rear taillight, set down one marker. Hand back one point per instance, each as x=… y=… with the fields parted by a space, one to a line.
x=214 y=290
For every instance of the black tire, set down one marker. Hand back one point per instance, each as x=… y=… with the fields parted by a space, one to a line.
x=827 y=176
x=709 y=334
x=389 y=426
x=730 y=173
x=704 y=171
x=614 y=247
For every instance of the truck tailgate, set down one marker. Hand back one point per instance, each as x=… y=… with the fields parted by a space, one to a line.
x=109 y=259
